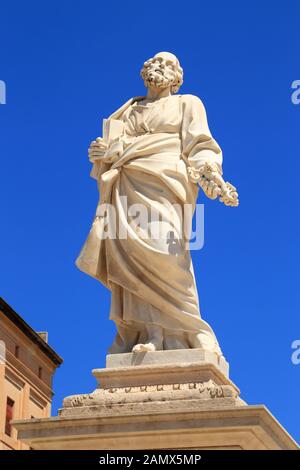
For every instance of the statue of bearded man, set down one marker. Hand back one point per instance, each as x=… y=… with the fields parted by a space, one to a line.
x=157 y=150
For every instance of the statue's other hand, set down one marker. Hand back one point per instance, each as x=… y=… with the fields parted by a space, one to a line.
x=210 y=187
x=97 y=149
x=213 y=185
x=207 y=177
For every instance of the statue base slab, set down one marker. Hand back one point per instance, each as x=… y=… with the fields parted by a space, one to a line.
x=174 y=356
x=158 y=405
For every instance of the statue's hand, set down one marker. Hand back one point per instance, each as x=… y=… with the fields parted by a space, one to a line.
x=213 y=185
x=205 y=176
x=209 y=186
x=97 y=149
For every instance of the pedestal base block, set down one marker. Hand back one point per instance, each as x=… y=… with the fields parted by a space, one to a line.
x=149 y=402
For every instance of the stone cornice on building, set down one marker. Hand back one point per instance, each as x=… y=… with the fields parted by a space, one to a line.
x=13 y=316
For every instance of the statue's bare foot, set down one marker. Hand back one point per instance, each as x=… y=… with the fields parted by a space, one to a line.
x=154 y=340
x=144 y=347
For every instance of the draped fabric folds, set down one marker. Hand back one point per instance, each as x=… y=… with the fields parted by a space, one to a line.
x=151 y=278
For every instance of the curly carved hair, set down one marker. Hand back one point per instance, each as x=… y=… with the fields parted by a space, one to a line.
x=176 y=83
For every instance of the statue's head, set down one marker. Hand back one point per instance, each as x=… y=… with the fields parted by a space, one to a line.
x=163 y=71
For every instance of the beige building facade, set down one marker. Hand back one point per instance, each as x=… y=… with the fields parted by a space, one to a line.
x=27 y=366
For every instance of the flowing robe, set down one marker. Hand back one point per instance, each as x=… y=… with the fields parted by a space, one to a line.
x=152 y=279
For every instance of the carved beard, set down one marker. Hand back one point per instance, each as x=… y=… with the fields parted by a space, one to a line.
x=157 y=79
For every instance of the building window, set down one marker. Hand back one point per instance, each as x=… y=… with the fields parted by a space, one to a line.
x=40 y=373
x=17 y=350
x=9 y=415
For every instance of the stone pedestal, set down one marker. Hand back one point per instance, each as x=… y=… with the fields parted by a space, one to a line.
x=181 y=399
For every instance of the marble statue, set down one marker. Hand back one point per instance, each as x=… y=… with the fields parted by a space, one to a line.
x=156 y=150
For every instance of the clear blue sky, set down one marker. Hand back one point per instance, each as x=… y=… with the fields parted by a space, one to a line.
x=68 y=64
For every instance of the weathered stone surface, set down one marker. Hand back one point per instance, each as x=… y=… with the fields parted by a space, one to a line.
x=152 y=386
x=156 y=374
x=239 y=427
x=158 y=406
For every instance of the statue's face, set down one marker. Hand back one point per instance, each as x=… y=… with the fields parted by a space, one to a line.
x=161 y=71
